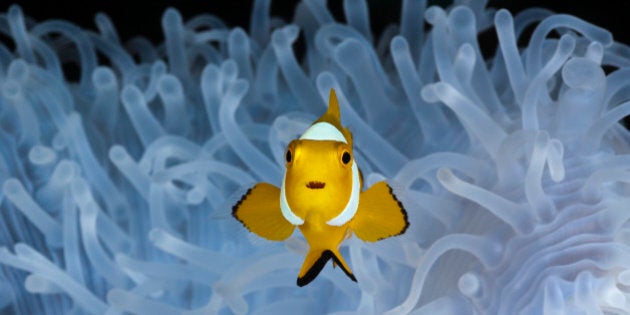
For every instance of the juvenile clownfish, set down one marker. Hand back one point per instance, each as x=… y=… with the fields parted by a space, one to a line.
x=322 y=195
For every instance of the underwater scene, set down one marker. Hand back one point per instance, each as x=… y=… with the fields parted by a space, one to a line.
x=122 y=160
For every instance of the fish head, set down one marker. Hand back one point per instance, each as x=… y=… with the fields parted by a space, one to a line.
x=318 y=174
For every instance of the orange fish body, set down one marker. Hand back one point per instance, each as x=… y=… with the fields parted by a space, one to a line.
x=321 y=193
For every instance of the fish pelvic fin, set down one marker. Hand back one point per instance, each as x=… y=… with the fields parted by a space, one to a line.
x=380 y=215
x=315 y=261
x=259 y=211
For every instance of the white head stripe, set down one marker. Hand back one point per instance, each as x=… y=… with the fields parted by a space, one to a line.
x=353 y=203
x=287 y=213
x=323 y=131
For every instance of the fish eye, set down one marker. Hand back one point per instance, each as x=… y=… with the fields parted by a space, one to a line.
x=288 y=156
x=345 y=158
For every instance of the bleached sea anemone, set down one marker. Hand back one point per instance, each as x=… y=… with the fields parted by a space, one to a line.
x=116 y=188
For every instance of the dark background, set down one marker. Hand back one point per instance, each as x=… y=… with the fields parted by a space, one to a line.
x=136 y=17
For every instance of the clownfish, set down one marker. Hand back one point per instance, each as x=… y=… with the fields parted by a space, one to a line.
x=322 y=195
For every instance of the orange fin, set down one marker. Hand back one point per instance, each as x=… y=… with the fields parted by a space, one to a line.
x=333 y=116
x=339 y=261
x=380 y=214
x=259 y=211
x=316 y=260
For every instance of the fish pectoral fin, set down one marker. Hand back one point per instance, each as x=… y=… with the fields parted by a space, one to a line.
x=316 y=260
x=259 y=211
x=380 y=215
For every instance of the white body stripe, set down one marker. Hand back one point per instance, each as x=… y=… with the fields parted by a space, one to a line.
x=287 y=213
x=323 y=131
x=353 y=203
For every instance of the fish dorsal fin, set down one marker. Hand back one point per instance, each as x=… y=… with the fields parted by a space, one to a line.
x=332 y=115
x=331 y=119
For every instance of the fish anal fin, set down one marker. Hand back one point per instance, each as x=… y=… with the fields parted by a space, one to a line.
x=380 y=215
x=315 y=261
x=259 y=211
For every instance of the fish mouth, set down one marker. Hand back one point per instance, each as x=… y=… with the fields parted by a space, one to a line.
x=315 y=185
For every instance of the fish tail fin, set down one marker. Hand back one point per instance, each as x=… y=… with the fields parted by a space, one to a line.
x=315 y=261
